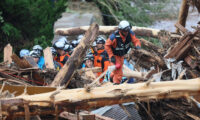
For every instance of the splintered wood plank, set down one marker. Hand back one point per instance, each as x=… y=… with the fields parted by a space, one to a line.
x=48 y=58
x=23 y=63
x=31 y=61
x=8 y=53
x=180 y=49
x=30 y=90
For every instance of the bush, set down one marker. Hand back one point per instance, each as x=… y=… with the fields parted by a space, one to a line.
x=24 y=21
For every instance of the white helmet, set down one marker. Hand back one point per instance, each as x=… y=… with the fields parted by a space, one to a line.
x=124 y=25
x=37 y=47
x=94 y=44
x=67 y=48
x=63 y=39
x=100 y=40
x=80 y=37
x=59 y=45
x=34 y=54
x=53 y=51
x=24 y=52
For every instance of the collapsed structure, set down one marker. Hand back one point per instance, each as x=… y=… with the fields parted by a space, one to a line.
x=32 y=92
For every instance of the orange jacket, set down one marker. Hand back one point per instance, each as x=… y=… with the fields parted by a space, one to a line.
x=62 y=59
x=111 y=42
x=101 y=59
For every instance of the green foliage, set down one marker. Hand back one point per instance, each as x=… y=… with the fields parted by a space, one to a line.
x=138 y=12
x=23 y=22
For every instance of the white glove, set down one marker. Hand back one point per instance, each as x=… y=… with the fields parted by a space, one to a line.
x=111 y=68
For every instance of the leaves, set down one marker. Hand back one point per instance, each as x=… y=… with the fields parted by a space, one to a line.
x=23 y=21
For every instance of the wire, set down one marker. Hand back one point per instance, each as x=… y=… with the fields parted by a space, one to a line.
x=25 y=78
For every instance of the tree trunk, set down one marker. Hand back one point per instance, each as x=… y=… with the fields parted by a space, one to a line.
x=139 y=31
x=66 y=73
x=76 y=99
x=183 y=13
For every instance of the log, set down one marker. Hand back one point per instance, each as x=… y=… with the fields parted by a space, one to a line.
x=48 y=58
x=66 y=73
x=183 y=13
x=139 y=31
x=7 y=54
x=79 y=99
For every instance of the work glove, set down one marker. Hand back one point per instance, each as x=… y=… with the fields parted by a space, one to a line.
x=112 y=59
x=117 y=65
x=113 y=67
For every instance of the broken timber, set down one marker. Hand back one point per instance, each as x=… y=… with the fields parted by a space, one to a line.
x=147 y=59
x=23 y=63
x=140 y=31
x=77 y=99
x=183 y=13
x=48 y=58
x=181 y=48
x=66 y=73
x=8 y=53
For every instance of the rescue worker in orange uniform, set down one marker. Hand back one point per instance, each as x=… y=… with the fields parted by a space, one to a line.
x=62 y=56
x=101 y=58
x=117 y=45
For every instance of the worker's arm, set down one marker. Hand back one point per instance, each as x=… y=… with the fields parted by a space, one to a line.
x=135 y=40
x=108 y=46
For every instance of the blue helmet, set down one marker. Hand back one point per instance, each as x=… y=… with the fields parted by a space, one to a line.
x=24 y=52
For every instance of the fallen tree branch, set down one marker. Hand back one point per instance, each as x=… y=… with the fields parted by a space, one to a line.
x=66 y=73
x=99 y=96
x=140 y=31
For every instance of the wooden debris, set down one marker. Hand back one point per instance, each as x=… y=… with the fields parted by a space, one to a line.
x=23 y=63
x=180 y=49
x=151 y=47
x=133 y=74
x=100 y=96
x=139 y=31
x=75 y=60
x=31 y=61
x=190 y=61
x=30 y=90
x=94 y=69
x=48 y=58
x=83 y=116
x=183 y=13
x=148 y=59
x=8 y=53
